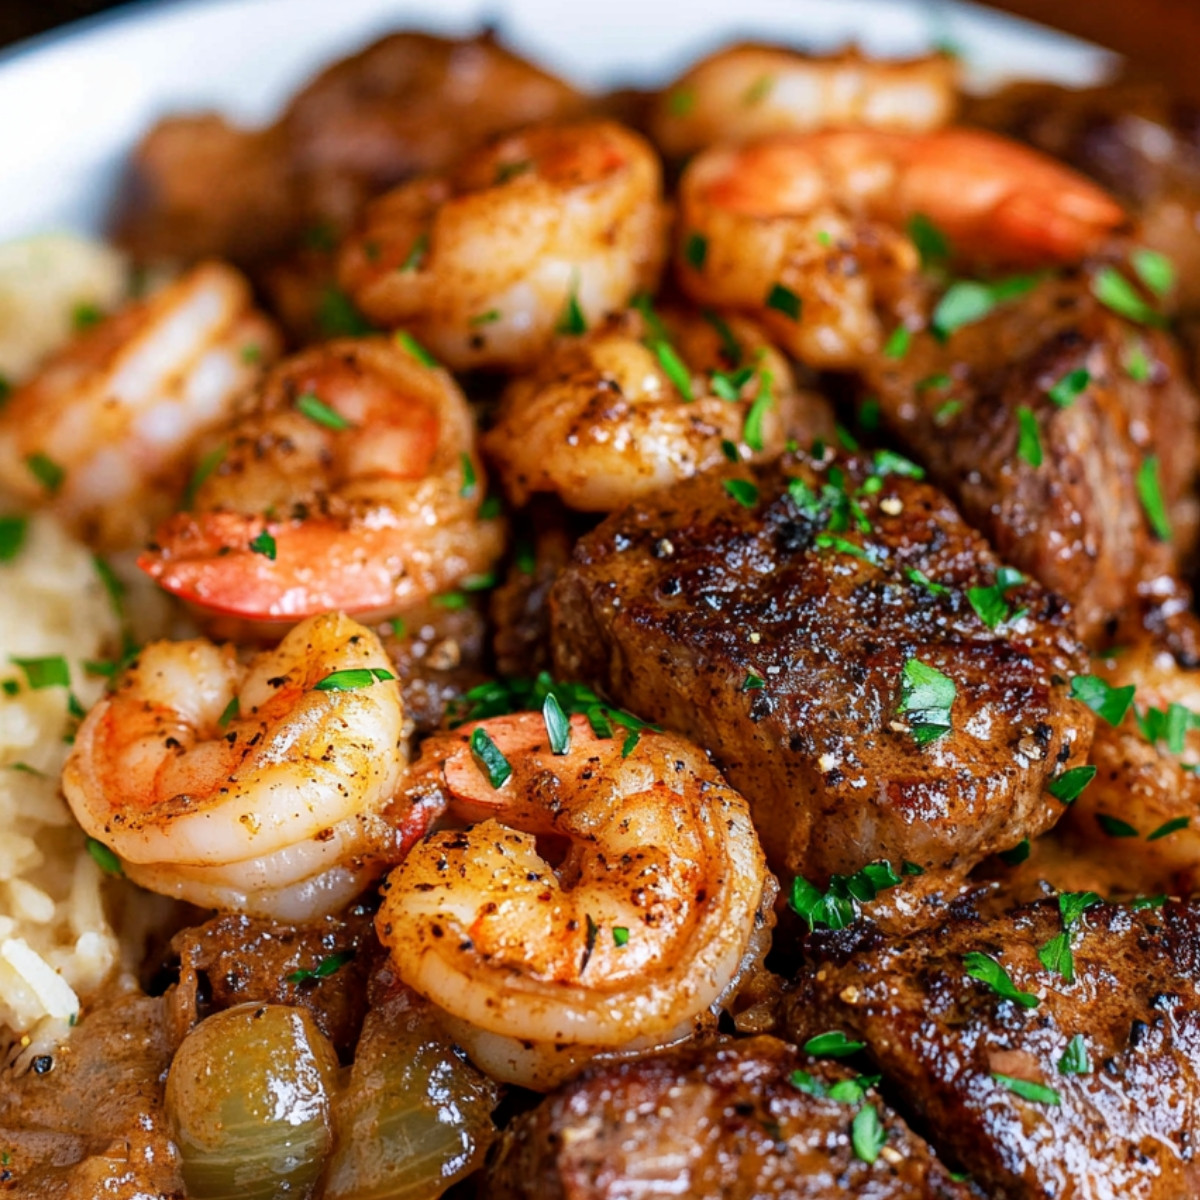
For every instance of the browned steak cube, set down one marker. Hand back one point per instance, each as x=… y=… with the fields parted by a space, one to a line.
x=718 y=1121
x=1087 y=1086
x=811 y=663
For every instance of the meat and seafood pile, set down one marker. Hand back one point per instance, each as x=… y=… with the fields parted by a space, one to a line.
x=675 y=670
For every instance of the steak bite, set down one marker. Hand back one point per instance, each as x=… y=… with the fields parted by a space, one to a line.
x=1081 y=1078
x=1052 y=423
x=745 y=1120
x=813 y=624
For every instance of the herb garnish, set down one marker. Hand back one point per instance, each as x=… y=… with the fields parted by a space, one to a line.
x=1114 y=291
x=406 y=341
x=990 y=604
x=695 y=251
x=51 y=671
x=1063 y=392
x=103 y=857
x=46 y=471
x=1155 y=270
x=326 y=967
x=1029 y=442
x=1068 y=786
x=1114 y=827
x=490 y=758
x=1075 y=1059
x=834 y=1044
x=558 y=727
x=264 y=544
x=1056 y=954
x=204 y=468
x=351 y=678
x=572 y=322
x=931 y=243
x=1110 y=703
x=967 y=301
x=416 y=253
x=469 y=480
x=743 y=491
x=784 y=300
x=837 y=907
x=12 y=536
x=867 y=1134
x=898 y=342
x=1149 y=490
x=987 y=970
x=752 y=433
x=315 y=409
x=1038 y=1092
x=926 y=698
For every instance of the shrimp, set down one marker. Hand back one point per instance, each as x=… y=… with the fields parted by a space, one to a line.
x=101 y=433
x=751 y=91
x=554 y=226
x=804 y=232
x=257 y=788
x=350 y=483
x=601 y=904
x=631 y=408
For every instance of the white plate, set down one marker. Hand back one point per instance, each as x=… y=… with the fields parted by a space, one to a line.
x=73 y=103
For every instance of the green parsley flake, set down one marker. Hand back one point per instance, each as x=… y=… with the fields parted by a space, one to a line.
x=898 y=343
x=85 y=315
x=1029 y=442
x=845 y=438
x=620 y=935
x=730 y=450
x=1075 y=1059
x=1115 y=292
x=1064 y=392
x=926 y=698
x=48 y=672
x=1068 y=787
x=759 y=90
x=743 y=491
x=508 y=171
x=931 y=243
x=867 y=1134
x=406 y=341
x=1168 y=828
x=695 y=251
x=888 y=462
x=103 y=857
x=834 y=541
x=1170 y=725
x=1018 y=854
x=987 y=970
x=1056 y=954
x=1114 y=827
x=489 y=757
x=204 y=468
x=1137 y=361
x=485 y=318
x=731 y=348
x=230 y=711
x=837 y=907
x=46 y=471
x=451 y=601
x=752 y=433
x=673 y=367
x=338 y=317
x=727 y=385
x=12 y=536
x=1037 y=1092
x=1110 y=703
x=315 y=409
x=753 y=683
x=352 y=678
x=923 y=580
x=1155 y=270
x=989 y=603
x=469 y=480
x=1142 y=902
x=326 y=967
x=1149 y=490
x=784 y=300
x=833 y=1044
x=968 y=301
x=573 y=323
x=558 y=727
x=251 y=354
x=416 y=254
x=265 y=545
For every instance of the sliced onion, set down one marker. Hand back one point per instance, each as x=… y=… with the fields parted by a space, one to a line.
x=249 y=1096
x=415 y=1117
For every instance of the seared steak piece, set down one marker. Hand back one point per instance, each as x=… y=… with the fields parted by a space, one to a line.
x=1077 y=521
x=1093 y=1090
x=723 y=1121
x=796 y=655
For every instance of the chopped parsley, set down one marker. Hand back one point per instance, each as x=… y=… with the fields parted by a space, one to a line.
x=265 y=545
x=730 y=450
x=1149 y=490
x=695 y=251
x=888 y=462
x=351 y=678
x=834 y=541
x=898 y=343
x=46 y=471
x=834 y=1044
x=1155 y=270
x=752 y=433
x=1075 y=1059
x=922 y=580
x=558 y=727
x=1029 y=442
x=231 y=710
x=968 y=301
x=1068 y=787
x=489 y=758
x=469 y=480
x=673 y=367
x=338 y=317
x=1056 y=954
x=406 y=341
x=727 y=385
x=1110 y=703
x=1037 y=1092
x=1137 y=362
x=867 y=1134
x=103 y=857
x=416 y=254
x=204 y=468
x=1168 y=828
x=12 y=536
x=573 y=323
x=485 y=318
x=743 y=491
x=926 y=698
x=987 y=970
x=837 y=906
x=1115 y=292
x=1064 y=392
x=1018 y=854
x=327 y=966
x=931 y=243
x=783 y=300
x=731 y=348
x=753 y=683
x=1170 y=725
x=48 y=672
x=990 y=604
x=1114 y=827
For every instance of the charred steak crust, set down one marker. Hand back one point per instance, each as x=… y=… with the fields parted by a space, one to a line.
x=1125 y=1128
x=722 y=1121
x=785 y=657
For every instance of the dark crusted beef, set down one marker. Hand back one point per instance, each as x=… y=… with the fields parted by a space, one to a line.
x=719 y=1121
x=672 y=606
x=1126 y=1129
x=1076 y=521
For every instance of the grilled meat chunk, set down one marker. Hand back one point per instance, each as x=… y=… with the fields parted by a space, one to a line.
x=1076 y=521
x=724 y=1121
x=1092 y=1090
x=788 y=649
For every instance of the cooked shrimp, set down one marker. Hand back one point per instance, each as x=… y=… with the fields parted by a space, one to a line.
x=555 y=224
x=751 y=91
x=1142 y=810
x=601 y=903
x=101 y=433
x=631 y=408
x=350 y=483
x=258 y=787
x=804 y=232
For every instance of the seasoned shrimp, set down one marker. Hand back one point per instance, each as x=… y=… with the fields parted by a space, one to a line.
x=751 y=91
x=351 y=482
x=257 y=788
x=602 y=903
x=631 y=408
x=804 y=232
x=557 y=225
x=101 y=433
